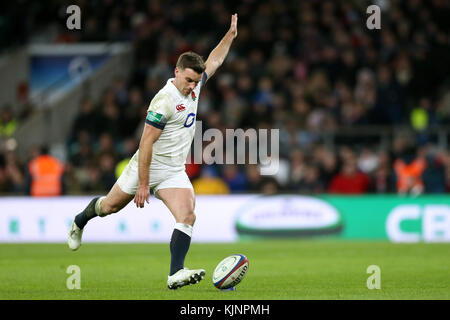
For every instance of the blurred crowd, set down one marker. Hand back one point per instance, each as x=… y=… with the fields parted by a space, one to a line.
x=303 y=67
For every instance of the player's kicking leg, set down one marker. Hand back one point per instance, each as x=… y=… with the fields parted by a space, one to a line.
x=100 y=206
x=181 y=203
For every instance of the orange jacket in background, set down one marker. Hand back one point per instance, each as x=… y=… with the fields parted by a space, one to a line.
x=409 y=175
x=46 y=173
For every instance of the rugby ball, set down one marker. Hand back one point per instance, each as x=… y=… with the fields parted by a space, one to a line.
x=230 y=271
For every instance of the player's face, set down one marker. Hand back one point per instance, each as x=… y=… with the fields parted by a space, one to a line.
x=186 y=80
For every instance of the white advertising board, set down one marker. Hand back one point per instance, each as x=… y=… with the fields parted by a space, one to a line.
x=24 y=219
x=227 y=218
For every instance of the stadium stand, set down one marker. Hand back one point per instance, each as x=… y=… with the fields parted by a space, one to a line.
x=353 y=108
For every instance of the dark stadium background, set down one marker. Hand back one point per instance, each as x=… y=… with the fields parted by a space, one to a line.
x=348 y=101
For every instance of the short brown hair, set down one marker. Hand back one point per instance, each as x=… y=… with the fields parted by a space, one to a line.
x=191 y=60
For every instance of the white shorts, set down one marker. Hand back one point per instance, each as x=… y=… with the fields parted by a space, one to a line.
x=160 y=178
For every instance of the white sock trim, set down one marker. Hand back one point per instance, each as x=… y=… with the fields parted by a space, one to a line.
x=98 y=207
x=185 y=228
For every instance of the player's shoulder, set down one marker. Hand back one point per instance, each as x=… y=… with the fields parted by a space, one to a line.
x=162 y=97
x=161 y=102
x=165 y=94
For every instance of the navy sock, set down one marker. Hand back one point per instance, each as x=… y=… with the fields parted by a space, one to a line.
x=179 y=246
x=87 y=214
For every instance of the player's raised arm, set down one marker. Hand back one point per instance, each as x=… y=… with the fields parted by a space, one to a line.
x=218 y=55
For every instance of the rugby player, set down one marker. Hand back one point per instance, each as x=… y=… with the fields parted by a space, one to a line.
x=159 y=164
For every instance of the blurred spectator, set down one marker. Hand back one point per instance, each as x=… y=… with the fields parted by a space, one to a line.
x=91 y=179
x=131 y=115
x=446 y=160
x=367 y=161
x=15 y=171
x=193 y=169
x=443 y=107
x=235 y=179
x=298 y=168
x=389 y=105
x=109 y=119
x=365 y=89
x=106 y=145
x=83 y=155
x=8 y=123
x=329 y=167
x=92 y=32
x=349 y=180
x=86 y=121
x=106 y=163
x=254 y=178
x=311 y=183
x=210 y=183
x=4 y=181
x=46 y=175
x=23 y=107
x=72 y=180
x=434 y=175
x=383 y=179
x=129 y=148
x=423 y=117
x=409 y=168
x=269 y=186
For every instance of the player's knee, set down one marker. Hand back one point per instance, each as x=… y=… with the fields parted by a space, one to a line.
x=189 y=218
x=109 y=209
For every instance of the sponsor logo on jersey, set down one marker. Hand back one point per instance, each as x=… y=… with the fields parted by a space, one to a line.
x=180 y=107
x=187 y=124
x=154 y=117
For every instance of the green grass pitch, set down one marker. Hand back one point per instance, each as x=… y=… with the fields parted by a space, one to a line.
x=278 y=270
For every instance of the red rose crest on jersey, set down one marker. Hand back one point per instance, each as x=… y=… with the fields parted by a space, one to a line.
x=180 y=107
x=193 y=95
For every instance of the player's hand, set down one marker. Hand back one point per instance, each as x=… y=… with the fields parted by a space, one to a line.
x=233 y=26
x=142 y=196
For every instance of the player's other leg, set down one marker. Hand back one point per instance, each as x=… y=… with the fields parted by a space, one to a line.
x=100 y=206
x=181 y=202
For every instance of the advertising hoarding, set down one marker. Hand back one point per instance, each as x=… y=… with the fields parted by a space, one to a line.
x=238 y=217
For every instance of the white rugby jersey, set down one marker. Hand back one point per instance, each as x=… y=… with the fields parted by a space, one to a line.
x=175 y=114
